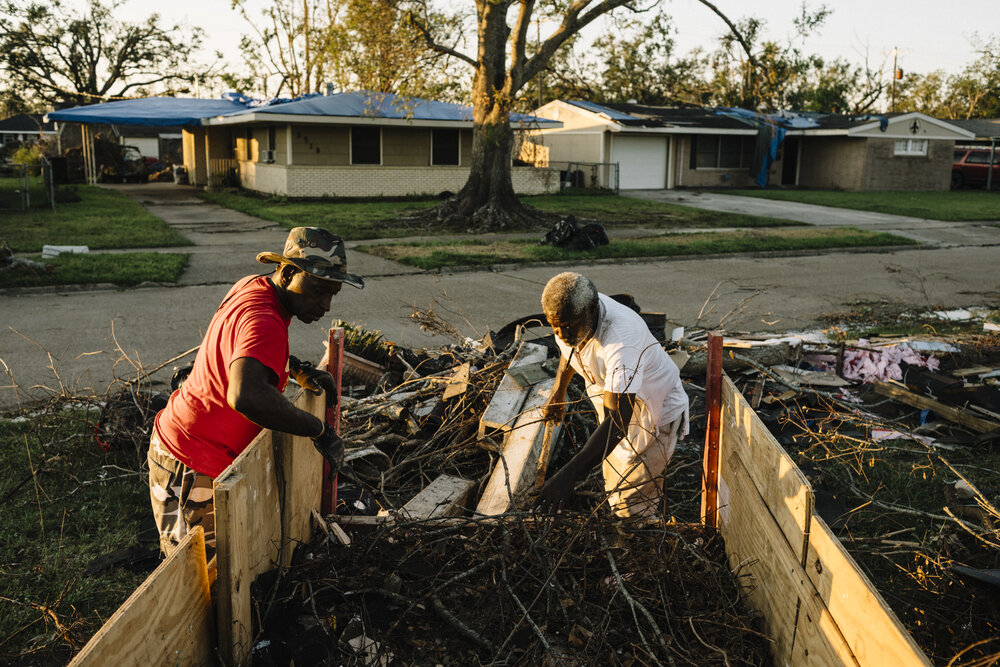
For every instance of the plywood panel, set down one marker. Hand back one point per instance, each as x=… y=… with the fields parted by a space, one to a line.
x=234 y=512
x=802 y=629
x=166 y=621
x=871 y=629
x=303 y=473
x=785 y=490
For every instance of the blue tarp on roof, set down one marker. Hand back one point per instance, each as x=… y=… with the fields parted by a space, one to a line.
x=378 y=105
x=155 y=111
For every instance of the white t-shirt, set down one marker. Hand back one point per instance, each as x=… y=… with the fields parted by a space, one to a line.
x=624 y=358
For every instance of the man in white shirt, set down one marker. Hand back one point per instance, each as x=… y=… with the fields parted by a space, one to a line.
x=634 y=386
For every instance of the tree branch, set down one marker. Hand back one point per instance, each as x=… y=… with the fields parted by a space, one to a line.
x=424 y=31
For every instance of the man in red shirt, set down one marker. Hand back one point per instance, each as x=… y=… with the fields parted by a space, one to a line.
x=235 y=387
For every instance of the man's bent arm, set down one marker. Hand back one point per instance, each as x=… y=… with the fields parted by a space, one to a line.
x=618 y=409
x=253 y=393
x=555 y=406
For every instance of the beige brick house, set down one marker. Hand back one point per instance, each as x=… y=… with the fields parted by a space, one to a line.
x=347 y=145
x=672 y=147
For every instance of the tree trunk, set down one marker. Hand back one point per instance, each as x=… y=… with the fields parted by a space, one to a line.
x=487 y=201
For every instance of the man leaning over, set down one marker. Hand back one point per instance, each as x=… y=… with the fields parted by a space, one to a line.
x=236 y=384
x=634 y=386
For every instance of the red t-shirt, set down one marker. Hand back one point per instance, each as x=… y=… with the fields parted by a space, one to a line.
x=198 y=426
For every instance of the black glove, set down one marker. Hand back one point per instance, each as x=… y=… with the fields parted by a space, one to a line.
x=312 y=379
x=331 y=446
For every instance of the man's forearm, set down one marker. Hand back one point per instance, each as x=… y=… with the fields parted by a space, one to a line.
x=267 y=407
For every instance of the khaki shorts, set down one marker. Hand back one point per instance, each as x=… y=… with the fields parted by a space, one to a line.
x=181 y=499
x=634 y=484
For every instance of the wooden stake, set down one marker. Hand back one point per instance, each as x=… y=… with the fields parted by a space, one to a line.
x=335 y=366
x=713 y=409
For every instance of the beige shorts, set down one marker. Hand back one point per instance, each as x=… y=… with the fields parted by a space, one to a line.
x=634 y=482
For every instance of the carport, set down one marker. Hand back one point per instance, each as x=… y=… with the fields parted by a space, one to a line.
x=150 y=112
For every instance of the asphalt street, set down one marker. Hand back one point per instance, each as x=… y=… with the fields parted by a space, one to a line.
x=82 y=339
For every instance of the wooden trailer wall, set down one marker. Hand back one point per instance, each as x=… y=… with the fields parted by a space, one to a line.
x=818 y=607
x=263 y=505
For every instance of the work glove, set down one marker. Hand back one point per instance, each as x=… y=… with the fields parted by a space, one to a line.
x=313 y=379
x=331 y=446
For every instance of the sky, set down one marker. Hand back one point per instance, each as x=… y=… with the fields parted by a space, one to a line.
x=929 y=34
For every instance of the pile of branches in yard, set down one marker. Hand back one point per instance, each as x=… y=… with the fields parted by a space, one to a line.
x=900 y=439
x=516 y=590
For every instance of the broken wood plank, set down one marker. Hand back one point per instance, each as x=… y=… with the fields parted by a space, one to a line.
x=517 y=466
x=509 y=397
x=175 y=601
x=957 y=415
x=445 y=496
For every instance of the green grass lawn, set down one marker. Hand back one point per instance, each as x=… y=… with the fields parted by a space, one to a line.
x=629 y=212
x=355 y=220
x=473 y=252
x=951 y=205
x=100 y=219
x=124 y=269
x=65 y=503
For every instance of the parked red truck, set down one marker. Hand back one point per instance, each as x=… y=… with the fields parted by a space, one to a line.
x=971 y=167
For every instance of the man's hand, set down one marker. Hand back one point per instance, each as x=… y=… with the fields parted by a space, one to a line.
x=313 y=379
x=555 y=492
x=554 y=410
x=331 y=446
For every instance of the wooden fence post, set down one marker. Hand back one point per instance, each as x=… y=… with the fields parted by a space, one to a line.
x=713 y=411
x=335 y=365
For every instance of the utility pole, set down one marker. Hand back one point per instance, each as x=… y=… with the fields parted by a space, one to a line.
x=892 y=102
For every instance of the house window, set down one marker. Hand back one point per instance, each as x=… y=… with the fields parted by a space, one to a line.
x=444 y=147
x=910 y=147
x=721 y=152
x=366 y=145
x=272 y=133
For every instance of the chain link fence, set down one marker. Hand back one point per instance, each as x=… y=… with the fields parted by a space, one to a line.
x=587 y=176
x=24 y=187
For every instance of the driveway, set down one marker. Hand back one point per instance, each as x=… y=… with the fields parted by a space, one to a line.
x=936 y=233
x=92 y=336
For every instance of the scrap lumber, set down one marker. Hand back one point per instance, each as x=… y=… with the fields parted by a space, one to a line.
x=509 y=396
x=175 y=600
x=957 y=415
x=517 y=465
x=445 y=496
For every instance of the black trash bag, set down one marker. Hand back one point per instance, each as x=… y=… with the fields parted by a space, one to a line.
x=568 y=234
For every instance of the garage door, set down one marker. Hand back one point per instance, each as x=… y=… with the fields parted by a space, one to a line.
x=642 y=161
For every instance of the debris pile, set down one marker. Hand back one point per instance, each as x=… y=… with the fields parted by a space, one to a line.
x=580 y=591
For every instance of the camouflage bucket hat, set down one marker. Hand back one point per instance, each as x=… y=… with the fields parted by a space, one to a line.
x=317 y=252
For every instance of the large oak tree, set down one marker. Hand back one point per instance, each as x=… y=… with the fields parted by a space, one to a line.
x=506 y=61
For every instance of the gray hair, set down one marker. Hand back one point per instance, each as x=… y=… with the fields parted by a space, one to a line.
x=569 y=294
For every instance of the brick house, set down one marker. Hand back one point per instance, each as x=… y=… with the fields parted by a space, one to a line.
x=347 y=145
x=672 y=147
